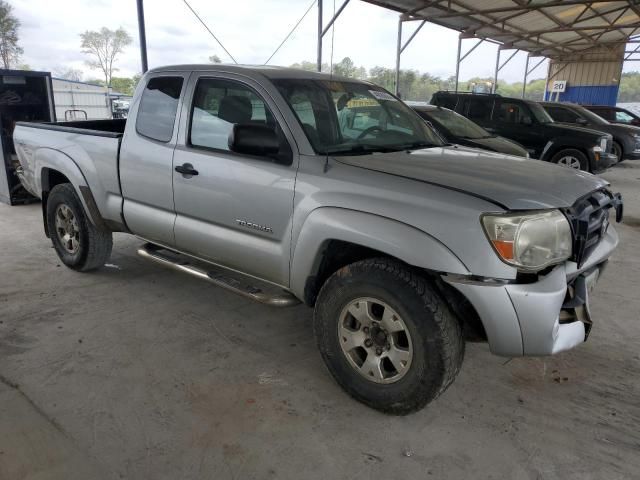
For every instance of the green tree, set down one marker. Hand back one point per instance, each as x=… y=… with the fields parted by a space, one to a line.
x=214 y=59
x=629 y=87
x=309 y=66
x=10 y=51
x=123 y=85
x=346 y=68
x=104 y=46
x=420 y=86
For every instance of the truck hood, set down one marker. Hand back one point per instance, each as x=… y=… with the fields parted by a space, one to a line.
x=514 y=183
x=575 y=130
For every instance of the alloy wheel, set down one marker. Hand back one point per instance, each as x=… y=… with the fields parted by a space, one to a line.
x=569 y=161
x=375 y=340
x=67 y=229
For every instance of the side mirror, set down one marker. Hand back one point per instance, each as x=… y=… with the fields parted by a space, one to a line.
x=581 y=121
x=254 y=139
x=526 y=120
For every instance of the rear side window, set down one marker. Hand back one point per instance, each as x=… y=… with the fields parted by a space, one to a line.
x=509 y=112
x=560 y=114
x=479 y=108
x=158 y=108
x=606 y=113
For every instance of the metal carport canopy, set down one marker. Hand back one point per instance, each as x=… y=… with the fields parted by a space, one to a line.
x=555 y=29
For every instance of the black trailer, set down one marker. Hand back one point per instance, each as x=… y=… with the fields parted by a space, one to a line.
x=25 y=96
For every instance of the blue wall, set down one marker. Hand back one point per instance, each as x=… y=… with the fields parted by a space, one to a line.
x=588 y=94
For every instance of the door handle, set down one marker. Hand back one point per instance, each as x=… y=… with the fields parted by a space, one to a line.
x=186 y=169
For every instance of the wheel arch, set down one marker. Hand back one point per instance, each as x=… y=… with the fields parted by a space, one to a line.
x=53 y=168
x=557 y=146
x=331 y=238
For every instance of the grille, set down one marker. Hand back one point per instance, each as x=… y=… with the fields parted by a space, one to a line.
x=589 y=219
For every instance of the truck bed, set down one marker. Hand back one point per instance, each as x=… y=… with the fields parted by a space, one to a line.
x=104 y=128
x=92 y=145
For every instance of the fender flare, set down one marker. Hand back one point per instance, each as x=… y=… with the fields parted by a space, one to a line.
x=51 y=159
x=557 y=144
x=407 y=243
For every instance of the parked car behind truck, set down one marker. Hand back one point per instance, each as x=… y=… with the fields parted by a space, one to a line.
x=626 y=138
x=615 y=114
x=455 y=128
x=400 y=243
x=527 y=123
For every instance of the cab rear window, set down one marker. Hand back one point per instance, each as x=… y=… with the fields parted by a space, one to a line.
x=158 y=108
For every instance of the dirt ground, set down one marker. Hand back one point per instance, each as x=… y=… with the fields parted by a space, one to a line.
x=139 y=372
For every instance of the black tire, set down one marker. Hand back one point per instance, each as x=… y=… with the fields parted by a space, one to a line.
x=436 y=335
x=93 y=245
x=618 y=152
x=571 y=152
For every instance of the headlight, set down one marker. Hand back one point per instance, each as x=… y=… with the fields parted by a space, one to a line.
x=603 y=144
x=529 y=241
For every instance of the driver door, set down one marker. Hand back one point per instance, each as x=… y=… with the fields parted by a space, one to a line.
x=236 y=209
x=514 y=120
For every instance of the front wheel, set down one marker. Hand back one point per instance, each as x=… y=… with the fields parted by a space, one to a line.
x=571 y=158
x=79 y=244
x=386 y=336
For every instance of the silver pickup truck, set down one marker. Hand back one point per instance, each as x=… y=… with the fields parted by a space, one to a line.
x=288 y=186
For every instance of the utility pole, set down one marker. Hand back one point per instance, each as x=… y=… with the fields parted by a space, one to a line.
x=143 y=37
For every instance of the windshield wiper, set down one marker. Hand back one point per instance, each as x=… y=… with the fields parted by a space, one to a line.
x=359 y=149
x=416 y=145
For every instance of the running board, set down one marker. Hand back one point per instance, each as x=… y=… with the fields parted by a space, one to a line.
x=153 y=253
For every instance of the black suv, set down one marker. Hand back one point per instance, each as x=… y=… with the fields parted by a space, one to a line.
x=527 y=123
x=626 y=138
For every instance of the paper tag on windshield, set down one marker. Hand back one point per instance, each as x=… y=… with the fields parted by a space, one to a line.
x=382 y=95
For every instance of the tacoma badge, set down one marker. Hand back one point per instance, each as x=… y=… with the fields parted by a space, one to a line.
x=255 y=226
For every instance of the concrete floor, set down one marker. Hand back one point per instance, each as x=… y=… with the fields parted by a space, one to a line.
x=138 y=372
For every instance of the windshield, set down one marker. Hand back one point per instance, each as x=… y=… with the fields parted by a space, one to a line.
x=540 y=113
x=455 y=124
x=352 y=118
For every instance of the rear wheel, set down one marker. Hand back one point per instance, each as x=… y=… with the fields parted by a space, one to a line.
x=79 y=244
x=386 y=336
x=571 y=158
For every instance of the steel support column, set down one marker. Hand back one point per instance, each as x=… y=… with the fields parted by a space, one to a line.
x=400 y=48
x=322 y=31
x=526 y=74
x=142 y=36
x=458 y=62
x=319 y=52
x=546 y=83
x=495 y=75
x=398 y=52
x=459 y=59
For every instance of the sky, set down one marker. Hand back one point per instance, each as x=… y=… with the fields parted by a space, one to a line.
x=251 y=30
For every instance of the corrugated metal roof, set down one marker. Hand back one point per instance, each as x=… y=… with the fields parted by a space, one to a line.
x=561 y=29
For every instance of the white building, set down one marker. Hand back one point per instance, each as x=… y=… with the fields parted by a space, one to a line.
x=80 y=100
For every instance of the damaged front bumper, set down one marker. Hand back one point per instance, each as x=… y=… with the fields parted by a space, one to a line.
x=540 y=318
